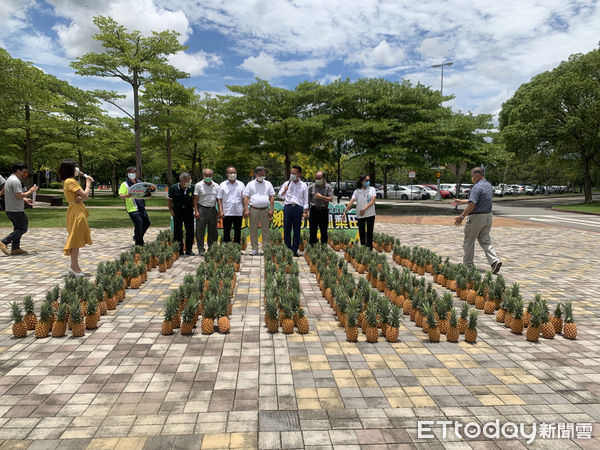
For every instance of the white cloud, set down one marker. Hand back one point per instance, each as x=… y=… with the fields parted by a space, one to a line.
x=382 y=56
x=194 y=63
x=329 y=78
x=268 y=68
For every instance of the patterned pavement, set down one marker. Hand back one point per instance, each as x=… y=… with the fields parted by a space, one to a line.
x=126 y=386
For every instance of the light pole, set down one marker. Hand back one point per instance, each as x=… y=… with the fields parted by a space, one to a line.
x=435 y=66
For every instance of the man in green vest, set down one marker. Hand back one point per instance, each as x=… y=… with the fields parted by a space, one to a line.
x=136 y=207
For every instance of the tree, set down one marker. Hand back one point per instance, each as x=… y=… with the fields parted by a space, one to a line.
x=558 y=113
x=132 y=58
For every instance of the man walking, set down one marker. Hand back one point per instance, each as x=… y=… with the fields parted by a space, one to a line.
x=259 y=201
x=295 y=208
x=231 y=207
x=320 y=195
x=205 y=202
x=479 y=222
x=180 y=201
x=136 y=207
x=14 y=205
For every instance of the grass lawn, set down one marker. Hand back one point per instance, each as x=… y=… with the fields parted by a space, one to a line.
x=105 y=218
x=593 y=207
x=106 y=199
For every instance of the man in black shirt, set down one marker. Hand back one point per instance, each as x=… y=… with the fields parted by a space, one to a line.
x=320 y=195
x=180 y=202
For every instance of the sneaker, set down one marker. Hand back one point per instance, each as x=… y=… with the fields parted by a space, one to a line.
x=496 y=267
x=18 y=251
x=3 y=248
x=72 y=274
x=254 y=253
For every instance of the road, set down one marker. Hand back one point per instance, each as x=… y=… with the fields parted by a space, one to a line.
x=532 y=210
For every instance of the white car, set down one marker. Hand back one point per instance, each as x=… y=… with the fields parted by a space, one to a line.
x=405 y=193
x=450 y=188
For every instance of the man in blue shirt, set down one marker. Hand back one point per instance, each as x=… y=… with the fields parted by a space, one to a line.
x=479 y=222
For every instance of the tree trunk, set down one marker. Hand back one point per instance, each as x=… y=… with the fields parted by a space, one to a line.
x=194 y=157
x=80 y=158
x=169 y=158
x=372 y=172
x=28 y=159
x=114 y=179
x=339 y=175
x=137 y=126
x=288 y=164
x=587 y=181
x=385 y=173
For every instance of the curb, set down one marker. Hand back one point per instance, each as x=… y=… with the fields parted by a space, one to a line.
x=576 y=212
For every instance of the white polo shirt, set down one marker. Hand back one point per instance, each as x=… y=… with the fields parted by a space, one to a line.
x=207 y=193
x=231 y=195
x=259 y=193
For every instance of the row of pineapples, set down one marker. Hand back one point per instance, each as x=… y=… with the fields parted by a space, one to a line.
x=282 y=292
x=207 y=293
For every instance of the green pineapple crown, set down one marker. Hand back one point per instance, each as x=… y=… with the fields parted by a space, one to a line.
x=271 y=308
x=189 y=311
x=92 y=306
x=16 y=312
x=75 y=312
x=558 y=311
x=46 y=311
x=517 y=311
x=430 y=315
x=170 y=308
x=384 y=309
x=453 y=320
x=61 y=312
x=536 y=314
x=464 y=311
x=473 y=315
x=371 y=314
x=568 y=310
x=395 y=316
x=28 y=304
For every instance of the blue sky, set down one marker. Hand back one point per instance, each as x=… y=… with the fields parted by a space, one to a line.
x=495 y=46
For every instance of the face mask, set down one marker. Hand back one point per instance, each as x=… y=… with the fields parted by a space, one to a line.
x=187 y=184
x=319 y=182
x=208 y=180
x=76 y=171
x=260 y=179
x=367 y=184
x=232 y=176
x=293 y=177
x=131 y=176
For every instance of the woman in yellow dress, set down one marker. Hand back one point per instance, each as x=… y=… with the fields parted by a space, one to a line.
x=77 y=224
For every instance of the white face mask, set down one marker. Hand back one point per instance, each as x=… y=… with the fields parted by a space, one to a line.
x=187 y=184
x=131 y=176
x=260 y=179
x=319 y=182
x=293 y=177
x=232 y=176
x=76 y=171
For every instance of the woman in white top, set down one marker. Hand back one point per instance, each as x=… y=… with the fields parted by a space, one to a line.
x=364 y=197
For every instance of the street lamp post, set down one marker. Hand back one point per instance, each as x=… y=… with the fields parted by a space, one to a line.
x=435 y=66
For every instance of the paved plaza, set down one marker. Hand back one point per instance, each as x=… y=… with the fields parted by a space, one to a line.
x=126 y=386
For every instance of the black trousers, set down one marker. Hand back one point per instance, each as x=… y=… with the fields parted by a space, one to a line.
x=20 y=224
x=184 y=217
x=319 y=220
x=236 y=221
x=141 y=223
x=366 y=236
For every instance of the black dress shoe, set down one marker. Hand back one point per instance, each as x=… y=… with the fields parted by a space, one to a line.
x=296 y=255
x=189 y=253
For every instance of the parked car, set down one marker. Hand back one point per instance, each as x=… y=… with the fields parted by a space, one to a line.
x=443 y=192
x=405 y=193
x=451 y=188
x=346 y=188
x=426 y=193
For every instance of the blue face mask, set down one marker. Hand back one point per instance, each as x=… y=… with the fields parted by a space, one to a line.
x=367 y=184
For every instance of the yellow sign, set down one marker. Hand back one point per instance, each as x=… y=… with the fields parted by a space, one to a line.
x=438 y=174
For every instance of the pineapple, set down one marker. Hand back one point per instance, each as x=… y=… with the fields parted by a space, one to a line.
x=271 y=315
x=452 y=334
x=489 y=307
x=500 y=314
x=19 y=328
x=59 y=328
x=42 y=328
x=371 y=330
x=471 y=333
x=464 y=317
x=480 y=298
x=384 y=314
x=432 y=329
x=391 y=333
x=187 y=318
x=223 y=321
x=516 y=324
x=569 y=329
x=510 y=304
x=443 y=306
x=557 y=319
x=302 y=324
x=548 y=331
x=92 y=316
x=211 y=307
x=30 y=319
x=535 y=321
x=170 y=310
x=287 y=319
x=354 y=306
x=77 y=323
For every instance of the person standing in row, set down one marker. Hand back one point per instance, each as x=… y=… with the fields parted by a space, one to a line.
x=295 y=200
x=364 y=197
x=320 y=195
x=479 y=220
x=259 y=203
x=14 y=205
x=231 y=206
x=180 y=201
x=77 y=225
x=205 y=202
x=136 y=207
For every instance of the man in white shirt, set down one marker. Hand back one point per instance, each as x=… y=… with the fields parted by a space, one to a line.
x=205 y=202
x=259 y=201
x=231 y=206
x=295 y=208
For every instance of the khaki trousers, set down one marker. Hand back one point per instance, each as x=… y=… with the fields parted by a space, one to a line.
x=262 y=216
x=478 y=228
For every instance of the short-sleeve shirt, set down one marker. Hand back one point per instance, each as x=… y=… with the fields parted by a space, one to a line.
x=231 y=194
x=70 y=189
x=12 y=203
x=297 y=193
x=207 y=194
x=131 y=204
x=482 y=194
x=259 y=193
x=181 y=198
x=362 y=197
x=325 y=190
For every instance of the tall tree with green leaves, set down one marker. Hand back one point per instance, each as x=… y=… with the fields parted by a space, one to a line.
x=131 y=57
x=558 y=113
